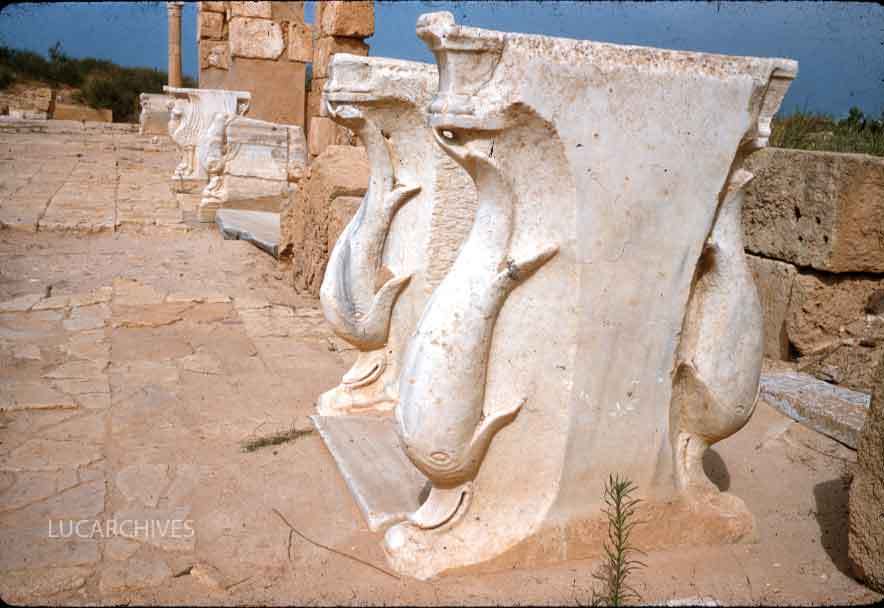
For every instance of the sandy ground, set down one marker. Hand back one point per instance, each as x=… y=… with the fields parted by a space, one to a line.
x=137 y=357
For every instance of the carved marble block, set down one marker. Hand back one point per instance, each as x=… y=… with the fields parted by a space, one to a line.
x=154 y=116
x=191 y=112
x=598 y=318
x=251 y=164
x=406 y=233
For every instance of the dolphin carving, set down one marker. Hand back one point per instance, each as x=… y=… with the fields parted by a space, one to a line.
x=440 y=419
x=357 y=310
x=715 y=383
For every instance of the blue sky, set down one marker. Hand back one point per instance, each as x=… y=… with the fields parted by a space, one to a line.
x=840 y=46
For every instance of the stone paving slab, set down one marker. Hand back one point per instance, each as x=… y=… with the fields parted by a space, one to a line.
x=834 y=411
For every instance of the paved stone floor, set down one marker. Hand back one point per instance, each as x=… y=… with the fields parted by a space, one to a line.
x=140 y=353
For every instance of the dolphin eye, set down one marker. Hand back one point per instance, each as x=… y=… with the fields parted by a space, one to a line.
x=449 y=135
x=440 y=457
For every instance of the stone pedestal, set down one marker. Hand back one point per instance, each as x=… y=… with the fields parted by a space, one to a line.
x=599 y=316
x=191 y=112
x=252 y=164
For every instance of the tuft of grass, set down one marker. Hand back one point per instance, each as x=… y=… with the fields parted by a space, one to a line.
x=807 y=131
x=292 y=434
x=619 y=563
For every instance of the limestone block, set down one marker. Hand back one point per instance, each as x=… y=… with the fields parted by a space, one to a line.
x=256 y=38
x=774 y=280
x=836 y=325
x=566 y=341
x=259 y=9
x=217 y=7
x=249 y=162
x=339 y=171
x=343 y=208
x=345 y=18
x=832 y=410
x=210 y=26
x=327 y=46
x=324 y=133
x=277 y=87
x=292 y=12
x=214 y=55
x=154 y=116
x=866 y=532
x=190 y=114
x=818 y=209
x=300 y=42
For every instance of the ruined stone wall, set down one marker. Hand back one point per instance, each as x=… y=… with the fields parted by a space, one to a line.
x=318 y=210
x=256 y=47
x=339 y=27
x=814 y=232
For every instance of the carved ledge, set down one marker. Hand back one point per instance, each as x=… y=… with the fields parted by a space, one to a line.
x=191 y=112
x=251 y=164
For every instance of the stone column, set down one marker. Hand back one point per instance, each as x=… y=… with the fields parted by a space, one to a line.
x=174 y=11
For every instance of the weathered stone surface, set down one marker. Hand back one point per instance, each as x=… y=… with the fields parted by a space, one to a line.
x=836 y=325
x=834 y=411
x=277 y=87
x=300 y=42
x=21 y=303
x=257 y=8
x=218 y=7
x=143 y=483
x=250 y=164
x=134 y=573
x=25 y=586
x=154 y=116
x=818 y=209
x=340 y=171
x=291 y=11
x=324 y=133
x=260 y=228
x=70 y=111
x=327 y=46
x=32 y=396
x=49 y=455
x=210 y=26
x=255 y=38
x=866 y=537
x=774 y=280
x=355 y=19
x=214 y=55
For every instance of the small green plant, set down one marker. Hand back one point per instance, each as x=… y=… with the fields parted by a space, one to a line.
x=803 y=130
x=619 y=564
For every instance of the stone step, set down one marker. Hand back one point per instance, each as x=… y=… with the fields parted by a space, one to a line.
x=261 y=228
x=834 y=411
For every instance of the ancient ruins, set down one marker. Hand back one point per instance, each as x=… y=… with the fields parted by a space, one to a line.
x=495 y=281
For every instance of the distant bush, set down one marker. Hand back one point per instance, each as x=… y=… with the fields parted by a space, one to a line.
x=808 y=131
x=103 y=84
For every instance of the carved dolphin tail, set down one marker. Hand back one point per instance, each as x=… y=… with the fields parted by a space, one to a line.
x=355 y=311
